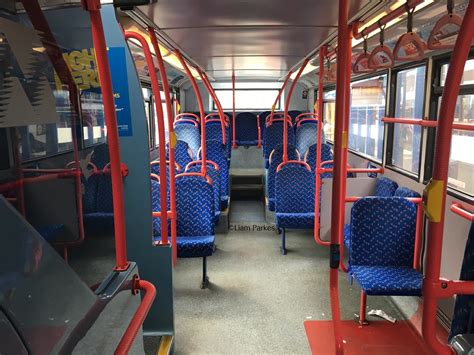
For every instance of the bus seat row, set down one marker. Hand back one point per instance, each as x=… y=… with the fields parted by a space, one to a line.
x=97 y=202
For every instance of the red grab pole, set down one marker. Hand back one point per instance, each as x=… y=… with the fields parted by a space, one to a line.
x=100 y=47
x=171 y=140
x=161 y=129
x=234 y=144
x=287 y=107
x=201 y=111
x=435 y=192
x=279 y=94
x=339 y=176
x=317 y=237
x=211 y=92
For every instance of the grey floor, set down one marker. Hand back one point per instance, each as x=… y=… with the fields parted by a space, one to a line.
x=258 y=299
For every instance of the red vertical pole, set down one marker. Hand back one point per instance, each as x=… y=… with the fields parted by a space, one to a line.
x=287 y=107
x=171 y=139
x=339 y=174
x=161 y=131
x=435 y=193
x=211 y=92
x=201 y=111
x=234 y=144
x=100 y=47
x=279 y=95
x=317 y=237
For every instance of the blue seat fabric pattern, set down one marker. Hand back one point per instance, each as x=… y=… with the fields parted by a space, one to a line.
x=216 y=152
x=181 y=154
x=274 y=137
x=384 y=187
x=246 y=129
x=190 y=134
x=382 y=245
x=216 y=186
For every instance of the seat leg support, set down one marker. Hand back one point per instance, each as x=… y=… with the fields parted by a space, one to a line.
x=363 y=309
x=283 y=241
x=205 y=279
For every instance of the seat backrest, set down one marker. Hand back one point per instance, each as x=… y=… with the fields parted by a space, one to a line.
x=293 y=114
x=100 y=156
x=194 y=207
x=383 y=232
x=214 y=176
x=294 y=189
x=405 y=192
x=274 y=136
x=216 y=152
x=89 y=198
x=310 y=155
x=384 y=187
x=246 y=128
x=104 y=194
x=214 y=130
x=156 y=205
x=190 y=134
x=276 y=159
x=183 y=155
x=306 y=136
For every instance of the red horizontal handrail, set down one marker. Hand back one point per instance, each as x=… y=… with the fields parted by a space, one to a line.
x=48 y=177
x=288 y=119
x=427 y=123
x=185 y=114
x=416 y=200
x=355 y=170
x=306 y=115
x=138 y=318
x=208 y=179
x=460 y=210
x=167 y=163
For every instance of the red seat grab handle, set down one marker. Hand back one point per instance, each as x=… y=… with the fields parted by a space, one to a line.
x=183 y=116
x=306 y=115
x=196 y=162
x=315 y=120
x=178 y=168
x=297 y=162
x=187 y=120
x=208 y=179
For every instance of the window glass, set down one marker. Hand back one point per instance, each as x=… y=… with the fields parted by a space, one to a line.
x=93 y=120
x=461 y=164
x=467 y=78
x=368 y=99
x=409 y=99
x=252 y=99
x=329 y=114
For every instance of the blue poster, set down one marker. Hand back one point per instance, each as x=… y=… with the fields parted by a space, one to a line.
x=118 y=70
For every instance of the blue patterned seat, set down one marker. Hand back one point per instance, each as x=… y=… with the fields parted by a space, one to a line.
x=190 y=134
x=326 y=155
x=156 y=207
x=214 y=130
x=294 y=198
x=216 y=152
x=274 y=137
x=306 y=136
x=276 y=157
x=183 y=155
x=51 y=232
x=100 y=156
x=195 y=220
x=384 y=187
x=382 y=246
x=405 y=192
x=98 y=212
x=464 y=307
x=213 y=174
x=246 y=129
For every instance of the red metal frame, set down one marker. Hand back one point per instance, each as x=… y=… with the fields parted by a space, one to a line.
x=460 y=210
x=427 y=123
x=184 y=114
x=139 y=317
x=208 y=179
x=100 y=46
x=434 y=287
x=161 y=129
x=279 y=95
x=211 y=92
x=186 y=120
x=234 y=144
x=201 y=110
x=196 y=162
x=259 y=131
x=298 y=162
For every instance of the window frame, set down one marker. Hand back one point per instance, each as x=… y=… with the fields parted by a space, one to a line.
x=278 y=106
x=392 y=100
x=435 y=96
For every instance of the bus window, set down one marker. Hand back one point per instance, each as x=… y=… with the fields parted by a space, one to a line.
x=329 y=114
x=248 y=99
x=409 y=103
x=93 y=120
x=366 y=129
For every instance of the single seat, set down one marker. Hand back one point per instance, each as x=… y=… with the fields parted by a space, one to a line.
x=195 y=220
x=189 y=133
x=306 y=136
x=384 y=187
x=274 y=137
x=100 y=156
x=464 y=307
x=216 y=152
x=183 y=155
x=294 y=198
x=97 y=203
x=405 y=192
x=246 y=129
x=326 y=155
x=382 y=246
x=276 y=157
x=213 y=173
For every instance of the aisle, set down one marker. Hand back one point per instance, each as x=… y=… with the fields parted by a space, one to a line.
x=258 y=299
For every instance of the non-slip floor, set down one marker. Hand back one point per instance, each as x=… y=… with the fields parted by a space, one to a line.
x=258 y=299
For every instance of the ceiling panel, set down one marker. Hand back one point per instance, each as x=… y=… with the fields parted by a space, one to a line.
x=266 y=36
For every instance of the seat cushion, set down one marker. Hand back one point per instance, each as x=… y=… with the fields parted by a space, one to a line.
x=347 y=236
x=295 y=220
x=51 y=232
x=388 y=280
x=195 y=247
x=99 y=221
